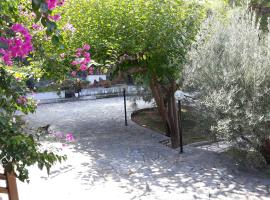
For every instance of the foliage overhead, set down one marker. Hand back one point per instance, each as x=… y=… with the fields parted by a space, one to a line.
x=151 y=33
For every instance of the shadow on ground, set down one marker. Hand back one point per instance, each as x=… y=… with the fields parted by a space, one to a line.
x=110 y=160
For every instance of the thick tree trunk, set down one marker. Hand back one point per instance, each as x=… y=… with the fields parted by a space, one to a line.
x=161 y=105
x=265 y=150
x=167 y=109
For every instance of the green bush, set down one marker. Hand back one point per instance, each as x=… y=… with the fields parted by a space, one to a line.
x=18 y=149
x=229 y=67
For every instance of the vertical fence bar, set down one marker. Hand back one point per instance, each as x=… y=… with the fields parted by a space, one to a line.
x=125 y=106
x=180 y=126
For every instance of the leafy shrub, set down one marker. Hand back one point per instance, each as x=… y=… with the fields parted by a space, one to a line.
x=229 y=66
x=18 y=149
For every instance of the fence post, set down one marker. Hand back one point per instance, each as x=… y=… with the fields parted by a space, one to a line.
x=11 y=186
x=180 y=125
x=125 y=106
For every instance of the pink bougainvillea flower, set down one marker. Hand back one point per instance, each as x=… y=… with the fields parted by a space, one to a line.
x=60 y=2
x=74 y=62
x=86 y=55
x=18 y=46
x=73 y=73
x=70 y=137
x=87 y=60
x=2 y=51
x=36 y=27
x=55 y=18
x=86 y=47
x=83 y=67
x=33 y=14
x=62 y=55
x=51 y=4
x=18 y=28
x=78 y=54
x=79 y=50
x=7 y=59
x=69 y=27
x=91 y=70
x=83 y=62
x=22 y=100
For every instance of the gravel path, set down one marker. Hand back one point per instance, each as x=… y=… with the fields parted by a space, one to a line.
x=111 y=161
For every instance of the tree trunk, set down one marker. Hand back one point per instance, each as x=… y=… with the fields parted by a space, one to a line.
x=161 y=105
x=265 y=150
x=167 y=109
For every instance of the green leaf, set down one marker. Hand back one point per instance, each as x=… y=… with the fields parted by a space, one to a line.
x=36 y=5
x=44 y=21
x=55 y=40
x=51 y=26
x=38 y=16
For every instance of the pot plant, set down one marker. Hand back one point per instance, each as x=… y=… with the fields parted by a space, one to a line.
x=72 y=87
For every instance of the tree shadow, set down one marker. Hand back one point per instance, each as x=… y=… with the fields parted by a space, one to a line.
x=107 y=152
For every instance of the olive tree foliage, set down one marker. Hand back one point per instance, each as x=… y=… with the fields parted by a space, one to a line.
x=229 y=67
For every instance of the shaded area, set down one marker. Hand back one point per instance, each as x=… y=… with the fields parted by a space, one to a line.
x=111 y=161
x=194 y=126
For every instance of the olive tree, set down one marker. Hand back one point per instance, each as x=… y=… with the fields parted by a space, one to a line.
x=229 y=67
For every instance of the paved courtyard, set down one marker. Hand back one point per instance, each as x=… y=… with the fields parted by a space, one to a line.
x=111 y=161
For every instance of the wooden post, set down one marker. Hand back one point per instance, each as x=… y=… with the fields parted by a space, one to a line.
x=11 y=186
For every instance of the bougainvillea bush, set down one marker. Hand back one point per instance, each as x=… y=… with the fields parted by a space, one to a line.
x=229 y=67
x=17 y=49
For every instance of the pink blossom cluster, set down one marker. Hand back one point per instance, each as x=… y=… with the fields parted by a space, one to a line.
x=69 y=137
x=25 y=12
x=83 y=64
x=18 y=46
x=69 y=27
x=36 y=27
x=52 y=4
x=62 y=55
x=22 y=100
x=55 y=17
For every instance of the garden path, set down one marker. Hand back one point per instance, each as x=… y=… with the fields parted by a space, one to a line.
x=111 y=161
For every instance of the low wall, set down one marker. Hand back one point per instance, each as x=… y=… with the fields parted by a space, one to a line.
x=85 y=94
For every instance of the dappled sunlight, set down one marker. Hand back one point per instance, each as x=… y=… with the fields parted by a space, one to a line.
x=109 y=160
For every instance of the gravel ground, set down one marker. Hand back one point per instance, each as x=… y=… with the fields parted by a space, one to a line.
x=112 y=161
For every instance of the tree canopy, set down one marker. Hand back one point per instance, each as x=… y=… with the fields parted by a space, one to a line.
x=149 y=39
